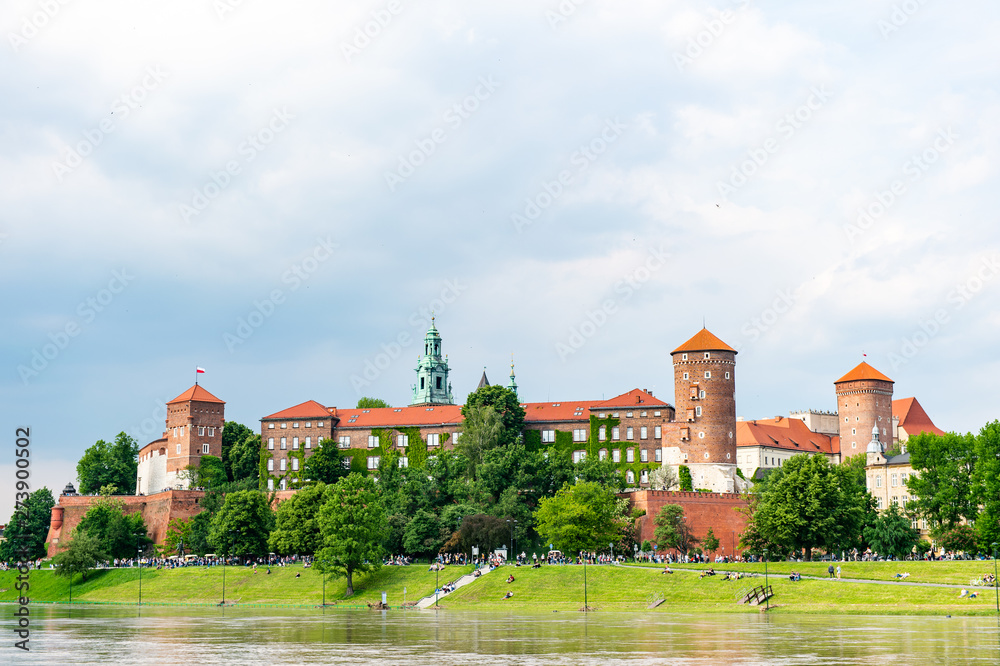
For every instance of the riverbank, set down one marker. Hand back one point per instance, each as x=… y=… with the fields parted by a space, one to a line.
x=549 y=588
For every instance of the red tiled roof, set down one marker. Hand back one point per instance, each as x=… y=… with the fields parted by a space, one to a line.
x=863 y=371
x=634 y=398
x=557 y=411
x=704 y=340
x=197 y=394
x=782 y=433
x=310 y=409
x=391 y=417
x=912 y=417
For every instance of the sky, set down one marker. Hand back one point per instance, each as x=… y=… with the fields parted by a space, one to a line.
x=281 y=193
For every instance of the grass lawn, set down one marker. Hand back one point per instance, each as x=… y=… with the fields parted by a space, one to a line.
x=560 y=588
x=202 y=585
x=949 y=572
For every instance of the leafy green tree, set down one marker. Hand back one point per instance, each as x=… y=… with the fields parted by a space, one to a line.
x=581 y=517
x=604 y=472
x=986 y=481
x=422 y=535
x=81 y=555
x=372 y=403
x=353 y=525
x=672 y=530
x=27 y=528
x=244 y=459
x=959 y=538
x=201 y=523
x=482 y=431
x=326 y=464
x=506 y=404
x=178 y=532
x=942 y=487
x=482 y=530
x=104 y=464
x=120 y=534
x=296 y=529
x=892 y=534
x=242 y=526
x=232 y=434
x=809 y=503
x=686 y=481
x=710 y=542
x=210 y=473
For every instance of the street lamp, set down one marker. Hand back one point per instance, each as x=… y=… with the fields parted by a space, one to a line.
x=586 y=606
x=511 y=523
x=996 y=585
x=437 y=580
x=138 y=559
x=225 y=556
x=767 y=598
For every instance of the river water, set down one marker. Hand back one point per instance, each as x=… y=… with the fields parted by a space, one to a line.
x=171 y=635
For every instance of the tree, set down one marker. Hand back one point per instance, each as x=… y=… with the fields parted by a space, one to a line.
x=892 y=534
x=580 y=517
x=482 y=431
x=960 y=538
x=506 y=404
x=710 y=542
x=326 y=464
x=82 y=554
x=422 y=535
x=104 y=464
x=672 y=530
x=120 y=534
x=353 y=525
x=664 y=478
x=986 y=480
x=942 y=487
x=482 y=530
x=232 y=434
x=372 y=403
x=686 y=482
x=296 y=529
x=241 y=527
x=178 y=532
x=809 y=503
x=210 y=473
x=604 y=472
x=28 y=528
x=244 y=459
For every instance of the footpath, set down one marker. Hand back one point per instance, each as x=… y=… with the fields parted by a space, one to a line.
x=430 y=600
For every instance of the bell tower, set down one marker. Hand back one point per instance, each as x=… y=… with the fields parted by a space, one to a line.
x=864 y=395
x=432 y=387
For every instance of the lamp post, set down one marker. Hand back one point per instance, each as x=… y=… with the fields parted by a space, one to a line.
x=996 y=585
x=612 y=544
x=511 y=523
x=586 y=606
x=138 y=560
x=437 y=581
x=767 y=598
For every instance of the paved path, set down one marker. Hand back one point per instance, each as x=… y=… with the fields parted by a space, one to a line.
x=429 y=601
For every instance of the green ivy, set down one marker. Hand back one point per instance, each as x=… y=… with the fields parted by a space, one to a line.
x=684 y=474
x=263 y=474
x=533 y=440
x=416 y=447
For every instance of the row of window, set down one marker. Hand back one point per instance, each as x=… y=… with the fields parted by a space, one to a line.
x=602 y=433
x=708 y=375
x=283 y=465
x=614 y=415
x=894 y=479
x=295 y=424
x=179 y=431
x=204 y=448
x=283 y=443
x=708 y=355
x=402 y=441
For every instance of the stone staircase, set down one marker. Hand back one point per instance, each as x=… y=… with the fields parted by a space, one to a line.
x=429 y=601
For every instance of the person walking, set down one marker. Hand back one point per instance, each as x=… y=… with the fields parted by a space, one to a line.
x=838 y=572
x=829 y=570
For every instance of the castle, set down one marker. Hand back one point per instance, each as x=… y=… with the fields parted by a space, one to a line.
x=637 y=431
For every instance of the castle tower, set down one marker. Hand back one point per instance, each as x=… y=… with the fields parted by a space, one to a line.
x=194 y=429
x=705 y=395
x=512 y=385
x=864 y=395
x=875 y=450
x=432 y=387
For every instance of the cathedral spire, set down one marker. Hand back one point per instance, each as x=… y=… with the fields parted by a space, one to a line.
x=512 y=385
x=432 y=387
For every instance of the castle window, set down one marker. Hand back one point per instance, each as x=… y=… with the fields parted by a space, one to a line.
x=894 y=480
x=295 y=443
x=295 y=425
x=308 y=424
x=548 y=436
x=658 y=455
x=628 y=415
x=602 y=434
x=845 y=418
x=373 y=462
x=878 y=480
x=614 y=415
x=270 y=426
x=854 y=445
x=684 y=357
x=319 y=425
x=579 y=456
x=600 y=416
x=644 y=476
x=434 y=439
x=211 y=431
x=421 y=383
x=455 y=438
x=701 y=435
x=697 y=410
x=630 y=476
x=284 y=483
x=201 y=431
x=657 y=432
x=204 y=449
x=295 y=464
x=701 y=393
x=708 y=374
x=402 y=441
x=437 y=381
x=643 y=455
x=727 y=375
x=629 y=433
x=580 y=435
x=270 y=443
x=404 y=461
x=284 y=444
x=686 y=375
x=629 y=455
x=656 y=413
x=854 y=431
x=372 y=441
x=643 y=432
x=284 y=425
x=615 y=433
x=345 y=442
x=270 y=484
x=270 y=465
x=308 y=442
x=707 y=355
x=178 y=448
x=616 y=455
x=284 y=464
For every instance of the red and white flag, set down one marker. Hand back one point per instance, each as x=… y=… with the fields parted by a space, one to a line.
x=199 y=371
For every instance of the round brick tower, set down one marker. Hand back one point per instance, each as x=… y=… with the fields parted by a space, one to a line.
x=705 y=394
x=864 y=398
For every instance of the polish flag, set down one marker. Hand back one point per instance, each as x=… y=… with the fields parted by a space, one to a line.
x=199 y=370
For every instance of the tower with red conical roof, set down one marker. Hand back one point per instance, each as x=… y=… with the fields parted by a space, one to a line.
x=864 y=401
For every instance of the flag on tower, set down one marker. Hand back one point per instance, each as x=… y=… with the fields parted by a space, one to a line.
x=199 y=370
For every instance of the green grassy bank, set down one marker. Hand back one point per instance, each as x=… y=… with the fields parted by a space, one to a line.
x=946 y=572
x=201 y=585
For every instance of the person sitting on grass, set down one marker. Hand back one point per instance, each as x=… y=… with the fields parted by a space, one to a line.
x=507 y=596
x=666 y=570
x=510 y=578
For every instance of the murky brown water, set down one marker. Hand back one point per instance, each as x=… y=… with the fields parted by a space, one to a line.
x=164 y=635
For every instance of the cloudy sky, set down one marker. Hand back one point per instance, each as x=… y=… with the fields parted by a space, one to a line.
x=281 y=192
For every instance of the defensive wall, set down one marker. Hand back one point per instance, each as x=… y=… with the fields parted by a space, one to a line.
x=703 y=511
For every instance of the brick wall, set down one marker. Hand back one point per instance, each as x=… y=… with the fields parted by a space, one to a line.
x=717 y=511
